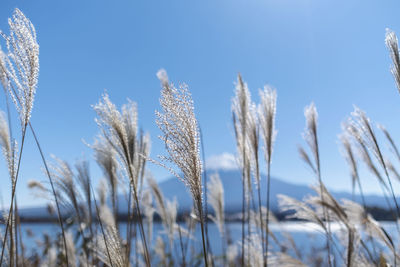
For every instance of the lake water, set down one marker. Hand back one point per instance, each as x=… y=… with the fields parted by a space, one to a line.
x=308 y=237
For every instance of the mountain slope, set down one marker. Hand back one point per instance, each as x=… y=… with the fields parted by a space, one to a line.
x=232 y=182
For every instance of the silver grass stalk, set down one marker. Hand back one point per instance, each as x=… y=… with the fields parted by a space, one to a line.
x=257 y=221
x=253 y=139
x=304 y=211
x=102 y=190
x=337 y=212
x=284 y=260
x=364 y=154
x=84 y=181
x=166 y=209
x=357 y=215
x=41 y=191
x=347 y=152
x=351 y=215
x=216 y=200
x=389 y=138
x=10 y=153
x=240 y=112
x=241 y=109
x=4 y=81
x=22 y=63
x=9 y=148
x=364 y=132
x=105 y=158
x=71 y=249
x=392 y=45
x=109 y=246
x=310 y=135
x=255 y=256
x=83 y=261
x=160 y=251
x=301 y=210
x=392 y=169
x=140 y=251
x=231 y=255
x=22 y=68
x=33 y=184
x=148 y=210
x=267 y=111
x=181 y=136
x=65 y=182
x=51 y=259
x=120 y=131
x=351 y=160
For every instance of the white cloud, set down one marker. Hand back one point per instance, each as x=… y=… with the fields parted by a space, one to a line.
x=225 y=161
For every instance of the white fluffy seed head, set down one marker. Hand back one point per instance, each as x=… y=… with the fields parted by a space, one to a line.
x=232 y=253
x=348 y=154
x=3 y=70
x=181 y=136
x=310 y=132
x=120 y=131
x=240 y=110
x=267 y=111
x=9 y=147
x=163 y=77
x=361 y=128
x=255 y=253
x=392 y=45
x=216 y=200
x=22 y=63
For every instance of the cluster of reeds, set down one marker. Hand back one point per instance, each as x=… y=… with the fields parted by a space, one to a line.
x=91 y=229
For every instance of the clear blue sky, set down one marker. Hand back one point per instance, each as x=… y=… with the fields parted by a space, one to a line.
x=329 y=52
